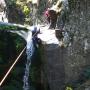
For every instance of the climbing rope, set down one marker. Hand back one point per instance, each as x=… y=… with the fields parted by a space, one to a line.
x=1 y=82
x=12 y=66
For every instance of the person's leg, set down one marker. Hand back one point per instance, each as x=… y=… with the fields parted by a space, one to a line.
x=59 y=34
x=54 y=21
x=60 y=37
x=48 y=19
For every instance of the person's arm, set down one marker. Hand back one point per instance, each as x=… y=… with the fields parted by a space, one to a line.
x=59 y=3
x=59 y=10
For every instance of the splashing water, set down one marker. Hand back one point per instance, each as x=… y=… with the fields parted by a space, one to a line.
x=3 y=16
x=29 y=51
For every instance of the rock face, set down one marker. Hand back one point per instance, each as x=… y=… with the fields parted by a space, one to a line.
x=54 y=61
x=68 y=66
x=54 y=66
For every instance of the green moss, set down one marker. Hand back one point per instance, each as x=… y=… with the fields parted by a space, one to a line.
x=36 y=68
x=10 y=46
x=9 y=27
x=9 y=88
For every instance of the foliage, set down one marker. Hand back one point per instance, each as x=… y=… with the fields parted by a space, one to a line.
x=8 y=53
x=26 y=10
x=68 y=88
x=8 y=27
x=20 y=43
x=12 y=27
x=35 y=69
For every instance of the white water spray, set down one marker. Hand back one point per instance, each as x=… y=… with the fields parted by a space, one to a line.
x=29 y=51
x=3 y=16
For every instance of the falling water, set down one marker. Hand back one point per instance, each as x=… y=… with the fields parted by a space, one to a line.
x=3 y=16
x=29 y=51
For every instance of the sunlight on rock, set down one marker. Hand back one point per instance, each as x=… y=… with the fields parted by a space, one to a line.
x=48 y=36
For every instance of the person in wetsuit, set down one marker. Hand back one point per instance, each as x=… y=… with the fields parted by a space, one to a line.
x=56 y=15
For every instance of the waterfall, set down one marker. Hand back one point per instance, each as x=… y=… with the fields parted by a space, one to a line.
x=29 y=51
x=3 y=16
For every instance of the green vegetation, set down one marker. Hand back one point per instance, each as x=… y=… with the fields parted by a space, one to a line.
x=8 y=28
x=12 y=27
x=35 y=71
x=26 y=10
x=68 y=88
x=10 y=46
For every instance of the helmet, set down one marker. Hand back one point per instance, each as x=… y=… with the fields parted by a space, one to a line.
x=35 y=29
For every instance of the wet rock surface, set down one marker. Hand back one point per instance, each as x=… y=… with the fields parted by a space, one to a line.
x=68 y=66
